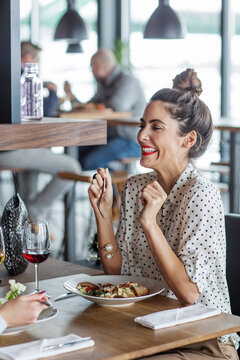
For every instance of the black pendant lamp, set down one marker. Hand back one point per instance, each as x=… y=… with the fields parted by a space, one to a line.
x=74 y=48
x=71 y=26
x=164 y=23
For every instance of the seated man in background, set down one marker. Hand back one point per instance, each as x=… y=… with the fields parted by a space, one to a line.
x=30 y=53
x=121 y=91
x=35 y=161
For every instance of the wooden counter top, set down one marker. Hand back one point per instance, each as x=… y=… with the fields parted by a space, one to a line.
x=105 y=114
x=50 y=132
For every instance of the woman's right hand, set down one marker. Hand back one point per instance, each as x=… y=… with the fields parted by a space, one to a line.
x=23 y=310
x=95 y=190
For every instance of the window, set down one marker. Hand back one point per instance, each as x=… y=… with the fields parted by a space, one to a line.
x=25 y=16
x=235 y=56
x=56 y=64
x=156 y=62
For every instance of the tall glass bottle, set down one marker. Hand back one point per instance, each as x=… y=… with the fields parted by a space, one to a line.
x=31 y=93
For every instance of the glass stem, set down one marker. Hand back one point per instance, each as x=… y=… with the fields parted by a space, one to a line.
x=36 y=278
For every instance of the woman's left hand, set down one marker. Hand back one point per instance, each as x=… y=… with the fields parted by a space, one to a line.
x=153 y=197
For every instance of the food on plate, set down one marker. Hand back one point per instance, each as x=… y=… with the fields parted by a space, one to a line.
x=124 y=290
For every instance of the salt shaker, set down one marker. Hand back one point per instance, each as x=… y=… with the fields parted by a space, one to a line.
x=31 y=93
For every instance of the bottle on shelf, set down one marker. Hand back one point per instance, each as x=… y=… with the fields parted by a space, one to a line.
x=31 y=93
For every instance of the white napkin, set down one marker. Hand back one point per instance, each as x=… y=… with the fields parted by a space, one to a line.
x=166 y=318
x=33 y=350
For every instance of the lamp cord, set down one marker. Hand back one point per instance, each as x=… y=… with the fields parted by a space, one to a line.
x=71 y=4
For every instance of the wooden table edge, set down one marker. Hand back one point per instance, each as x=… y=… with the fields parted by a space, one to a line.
x=156 y=349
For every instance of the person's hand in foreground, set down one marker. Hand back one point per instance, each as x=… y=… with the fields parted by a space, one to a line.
x=23 y=310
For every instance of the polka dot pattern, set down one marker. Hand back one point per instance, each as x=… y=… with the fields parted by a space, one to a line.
x=192 y=220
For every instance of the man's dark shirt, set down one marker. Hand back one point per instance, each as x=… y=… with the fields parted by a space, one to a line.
x=121 y=91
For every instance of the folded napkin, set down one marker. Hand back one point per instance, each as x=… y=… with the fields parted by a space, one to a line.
x=34 y=349
x=166 y=318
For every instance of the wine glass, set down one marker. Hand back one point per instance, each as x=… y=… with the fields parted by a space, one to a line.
x=2 y=246
x=36 y=244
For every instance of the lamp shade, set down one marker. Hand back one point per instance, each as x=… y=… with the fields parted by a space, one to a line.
x=74 y=48
x=164 y=23
x=71 y=26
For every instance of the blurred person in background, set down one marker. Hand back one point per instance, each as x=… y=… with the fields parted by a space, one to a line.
x=30 y=53
x=121 y=91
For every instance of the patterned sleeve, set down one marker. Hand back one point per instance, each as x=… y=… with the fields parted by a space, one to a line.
x=202 y=218
x=120 y=234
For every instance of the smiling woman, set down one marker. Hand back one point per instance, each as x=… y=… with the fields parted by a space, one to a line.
x=171 y=224
x=176 y=126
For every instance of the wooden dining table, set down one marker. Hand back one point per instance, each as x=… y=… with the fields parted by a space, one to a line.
x=116 y=335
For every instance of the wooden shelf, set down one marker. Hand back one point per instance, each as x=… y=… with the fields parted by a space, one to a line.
x=50 y=132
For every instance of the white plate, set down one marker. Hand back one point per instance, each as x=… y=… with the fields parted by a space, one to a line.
x=152 y=285
x=45 y=315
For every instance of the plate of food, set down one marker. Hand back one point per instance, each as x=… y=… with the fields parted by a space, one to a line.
x=45 y=315
x=113 y=290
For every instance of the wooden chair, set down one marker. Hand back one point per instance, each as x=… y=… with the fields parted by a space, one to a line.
x=232 y=224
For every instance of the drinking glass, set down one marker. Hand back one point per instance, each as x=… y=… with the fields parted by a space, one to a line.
x=2 y=247
x=36 y=244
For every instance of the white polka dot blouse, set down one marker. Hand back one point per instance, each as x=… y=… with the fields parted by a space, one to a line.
x=192 y=220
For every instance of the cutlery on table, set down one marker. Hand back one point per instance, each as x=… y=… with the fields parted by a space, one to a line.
x=69 y=343
x=64 y=296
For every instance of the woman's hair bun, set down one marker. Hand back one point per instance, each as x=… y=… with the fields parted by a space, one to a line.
x=188 y=81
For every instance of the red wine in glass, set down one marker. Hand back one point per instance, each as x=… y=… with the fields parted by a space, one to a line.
x=36 y=244
x=36 y=257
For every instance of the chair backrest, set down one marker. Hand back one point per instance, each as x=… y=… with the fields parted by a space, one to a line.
x=232 y=223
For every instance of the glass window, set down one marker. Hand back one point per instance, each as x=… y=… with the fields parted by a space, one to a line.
x=57 y=65
x=156 y=62
x=25 y=12
x=235 y=57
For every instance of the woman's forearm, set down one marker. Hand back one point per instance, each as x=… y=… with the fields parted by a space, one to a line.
x=171 y=267
x=111 y=260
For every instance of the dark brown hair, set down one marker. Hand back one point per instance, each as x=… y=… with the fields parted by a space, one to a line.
x=184 y=105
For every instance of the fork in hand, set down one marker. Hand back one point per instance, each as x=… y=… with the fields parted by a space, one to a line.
x=101 y=195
